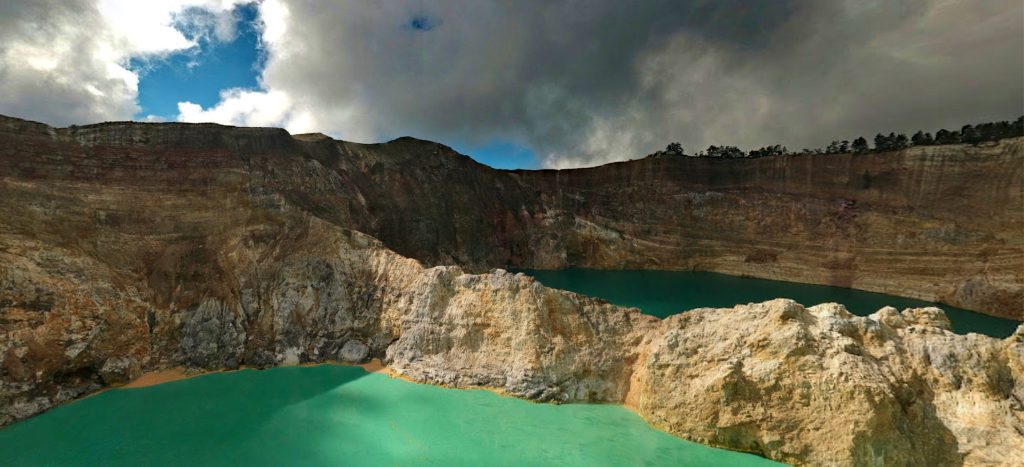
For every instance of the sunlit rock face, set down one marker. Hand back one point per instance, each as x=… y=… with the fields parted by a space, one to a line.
x=821 y=386
x=132 y=247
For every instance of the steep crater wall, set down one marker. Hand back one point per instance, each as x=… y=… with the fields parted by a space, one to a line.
x=940 y=223
x=132 y=247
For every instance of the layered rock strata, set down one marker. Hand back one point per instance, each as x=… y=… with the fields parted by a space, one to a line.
x=939 y=223
x=130 y=247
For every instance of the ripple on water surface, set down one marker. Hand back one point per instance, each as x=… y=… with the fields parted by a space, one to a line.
x=338 y=415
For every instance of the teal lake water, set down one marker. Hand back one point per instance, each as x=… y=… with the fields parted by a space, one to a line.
x=339 y=415
x=665 y=293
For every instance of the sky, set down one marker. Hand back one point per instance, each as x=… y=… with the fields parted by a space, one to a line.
x=525 y=84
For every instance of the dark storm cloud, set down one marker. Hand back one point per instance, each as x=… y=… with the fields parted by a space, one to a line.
x=585 y=82
x=580 y=82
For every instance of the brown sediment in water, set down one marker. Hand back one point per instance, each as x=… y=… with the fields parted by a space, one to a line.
x=372 y=366
x=160 y=377
x=375 y=366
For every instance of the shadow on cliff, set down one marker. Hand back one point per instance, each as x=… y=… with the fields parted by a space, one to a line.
x=908 y=428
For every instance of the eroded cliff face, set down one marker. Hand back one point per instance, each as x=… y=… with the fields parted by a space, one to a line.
x=130 y=247
x=939 y=223
x=807 y=386
x=821 y=386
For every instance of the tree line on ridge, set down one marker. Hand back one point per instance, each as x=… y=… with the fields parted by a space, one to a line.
x=968 y=134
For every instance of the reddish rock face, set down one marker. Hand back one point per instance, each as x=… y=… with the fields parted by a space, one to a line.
x=942 y=223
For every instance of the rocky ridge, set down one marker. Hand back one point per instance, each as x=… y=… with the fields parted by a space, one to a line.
x=938 y=223
x=128 y=247
x=802 y=385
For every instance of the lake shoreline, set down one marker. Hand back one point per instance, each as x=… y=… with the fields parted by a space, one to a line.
x=375 y=365
x=336 y=407
x=169 y=375
x=663 y=293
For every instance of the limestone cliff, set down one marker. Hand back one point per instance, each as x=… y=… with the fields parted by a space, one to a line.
x=824 y=387
x=133 y=247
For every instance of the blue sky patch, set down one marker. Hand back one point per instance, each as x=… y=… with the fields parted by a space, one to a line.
x=501 y=154
x=199 y=75
x=423 y=23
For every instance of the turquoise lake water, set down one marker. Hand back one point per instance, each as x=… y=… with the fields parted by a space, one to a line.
x=340 y=415
x=665 y=293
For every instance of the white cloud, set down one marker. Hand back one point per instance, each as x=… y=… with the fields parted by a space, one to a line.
x=243 y=107
x=580 y=84
x=143 y=27
x=609 y=81
x=66 y=61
